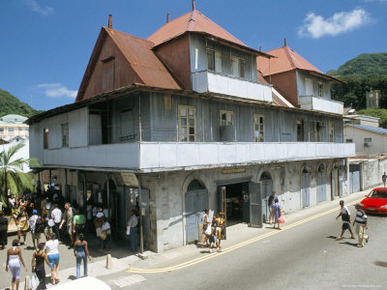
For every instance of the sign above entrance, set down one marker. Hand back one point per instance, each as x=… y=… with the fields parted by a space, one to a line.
x=129 y=179
x=233 y=170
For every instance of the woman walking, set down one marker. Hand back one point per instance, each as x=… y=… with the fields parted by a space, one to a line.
x=14 y=258
x=38 y=259
x=53 y=256
x=81 y=252
x=277 y=212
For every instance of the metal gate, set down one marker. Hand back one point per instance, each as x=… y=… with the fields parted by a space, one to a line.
x=195 y=202
x=354 y=178
x=305 y=189
x=255 y=199
x=321 y=186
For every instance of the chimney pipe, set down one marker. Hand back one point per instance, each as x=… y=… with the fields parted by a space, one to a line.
x=285 y=42
x=193 y=5
x=110 y=23
x=168 y=17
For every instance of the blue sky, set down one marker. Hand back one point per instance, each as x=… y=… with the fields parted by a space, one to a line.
x=45 y=45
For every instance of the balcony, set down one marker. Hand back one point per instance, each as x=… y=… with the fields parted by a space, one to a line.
x=320 y=104
x=208 y=82
x=172 y=156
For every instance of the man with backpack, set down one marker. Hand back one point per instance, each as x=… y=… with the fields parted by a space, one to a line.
x=346 y=218
x=36 y=223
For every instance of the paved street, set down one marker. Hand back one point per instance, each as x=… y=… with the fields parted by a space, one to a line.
x=304 y=255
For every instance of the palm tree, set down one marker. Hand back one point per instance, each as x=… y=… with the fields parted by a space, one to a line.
x=11 y=171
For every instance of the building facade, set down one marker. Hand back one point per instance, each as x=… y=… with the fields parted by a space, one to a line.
x=184 y=121
x=13 y=126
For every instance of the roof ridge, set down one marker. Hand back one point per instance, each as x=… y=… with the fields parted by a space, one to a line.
x=290 y=57
x=191 y=21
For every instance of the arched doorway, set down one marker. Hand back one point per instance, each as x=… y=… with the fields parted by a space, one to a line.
x=267 y=189
x=321 y=183
x=196 y=200
x=305 y=187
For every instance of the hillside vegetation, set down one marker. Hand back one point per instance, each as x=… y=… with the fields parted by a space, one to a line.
x=9 y=104
x=363 y=65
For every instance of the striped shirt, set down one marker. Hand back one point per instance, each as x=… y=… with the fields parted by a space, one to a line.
x=361 y=217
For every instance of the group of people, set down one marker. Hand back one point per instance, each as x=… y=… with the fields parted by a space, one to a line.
x=360 y=222
x=213 y=229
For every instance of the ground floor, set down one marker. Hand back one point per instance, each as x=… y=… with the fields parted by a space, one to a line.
x=171 y=204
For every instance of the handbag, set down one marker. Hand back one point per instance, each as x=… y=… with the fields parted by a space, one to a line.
x=128 y=230
x=34 y=282
x=281 y=219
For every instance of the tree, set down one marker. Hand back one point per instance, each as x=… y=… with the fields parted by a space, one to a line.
x=11 y=171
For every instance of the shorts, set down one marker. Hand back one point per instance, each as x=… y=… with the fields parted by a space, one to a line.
x=54 y=259
x=346 y=226
x=35 y=235
x=70 y=229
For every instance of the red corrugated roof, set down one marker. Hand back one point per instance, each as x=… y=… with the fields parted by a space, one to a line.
x=143 y=61
x=193 y=21
x=285 y=59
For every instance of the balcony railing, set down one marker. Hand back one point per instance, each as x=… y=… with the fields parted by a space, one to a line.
x=170 y=156
x=206 y=81
x=320 y=104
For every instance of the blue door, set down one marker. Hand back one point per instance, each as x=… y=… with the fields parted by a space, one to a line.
x=195 y=202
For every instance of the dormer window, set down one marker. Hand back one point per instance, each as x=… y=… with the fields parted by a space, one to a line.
x=238 y=67
x=214 y=60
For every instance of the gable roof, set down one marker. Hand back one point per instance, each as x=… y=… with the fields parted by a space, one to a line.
x=193 y=21
x=140 y=57
x=377 y=130
x=286 y=59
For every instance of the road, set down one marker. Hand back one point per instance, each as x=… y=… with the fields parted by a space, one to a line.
x=305 y=256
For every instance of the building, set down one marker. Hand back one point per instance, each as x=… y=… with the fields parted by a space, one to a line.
x=373 y=99
x=184 y=121
x=12 y=126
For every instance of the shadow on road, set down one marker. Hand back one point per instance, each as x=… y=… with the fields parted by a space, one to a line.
x=380 y=264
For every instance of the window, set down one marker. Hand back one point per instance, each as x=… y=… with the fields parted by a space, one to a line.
x=1 y=130
x=226 y=118
x=259 y=128
x=214 y=60
x=11 y=130
x=331 y=132
x=367 y=142
x=320 y=87
x=187 y=123
x=300 y=131
x=45 y=138
x=65 y=134
x=348 y=141
x=238 y=66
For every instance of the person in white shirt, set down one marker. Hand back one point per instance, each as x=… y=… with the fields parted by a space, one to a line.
x=107 y=230
x=56 y=215
x=32 y=223
x=132 y=224
x=52 y=251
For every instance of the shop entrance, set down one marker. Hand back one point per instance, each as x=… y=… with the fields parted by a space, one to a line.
x=241 y=202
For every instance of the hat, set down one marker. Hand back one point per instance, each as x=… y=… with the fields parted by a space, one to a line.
x=34 y=211
x=358 y=205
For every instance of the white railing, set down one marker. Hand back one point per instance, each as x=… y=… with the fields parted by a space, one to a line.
x=320 y=104
x=209 y=82
x=168 y=156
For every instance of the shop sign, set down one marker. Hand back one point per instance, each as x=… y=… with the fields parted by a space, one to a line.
x=233 y=170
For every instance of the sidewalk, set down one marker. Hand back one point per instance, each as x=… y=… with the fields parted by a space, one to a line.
x=120 y=260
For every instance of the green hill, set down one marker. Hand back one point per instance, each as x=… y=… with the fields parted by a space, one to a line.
x=363 y=65
x=9 y=104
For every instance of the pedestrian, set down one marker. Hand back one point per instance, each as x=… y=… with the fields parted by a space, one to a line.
x=270 y=202
x=206 y=227
x=38 y=259
x=212 y=235
x=361 y=225
x=79 y=223
x=346 y=218
x=56 y=215
x=68 y=219
x=220 y=225
x=384 y=179
x=132 y=226
x=106 y=229
x=3 y=230
x=276 y=212
x=22 y=225
x=52 y=251
x=81 y=252
x=14 y=258
x=32 y=223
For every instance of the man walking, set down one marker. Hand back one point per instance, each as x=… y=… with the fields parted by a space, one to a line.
x=361 y=225
x=132 y=225
x=270 y=203
x=346 y=218
x=68 y=219
x=56 y=215
x=384 y=179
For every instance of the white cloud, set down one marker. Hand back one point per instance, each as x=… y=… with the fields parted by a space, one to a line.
x=316 y=26
x=57 y=91
x=36 y=7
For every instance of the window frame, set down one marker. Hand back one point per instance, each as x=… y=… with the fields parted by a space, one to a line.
x=259 y=132
x=226 y=122
x=186 y=136
x=65 y=134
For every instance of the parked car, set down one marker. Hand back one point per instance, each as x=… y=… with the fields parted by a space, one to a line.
x=84 y=283
x=375 y=201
